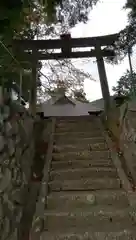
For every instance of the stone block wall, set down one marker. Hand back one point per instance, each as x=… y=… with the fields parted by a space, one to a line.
x=122 y=124
x=128 y=138
x=16 y=156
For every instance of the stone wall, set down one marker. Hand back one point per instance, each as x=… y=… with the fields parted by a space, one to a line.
x=122 y=124
x=16 y=156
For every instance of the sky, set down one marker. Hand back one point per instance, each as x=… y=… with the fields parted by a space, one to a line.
x=107 y=17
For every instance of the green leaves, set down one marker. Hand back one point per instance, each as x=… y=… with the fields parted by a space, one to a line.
x=126 y=85
x=27 y=19
x=128 y=35
x=80 y=95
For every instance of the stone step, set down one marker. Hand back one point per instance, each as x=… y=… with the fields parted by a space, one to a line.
x=77 y=140
x=77 y=127
x=80 y=146
x=116 y=233
x=85 y=200
x=79 y=173
x=82 y=134
x=94 y=218
x=86 y=155
x=85 y=184
x=58 y=165
x=77 y=119
x=74 y=124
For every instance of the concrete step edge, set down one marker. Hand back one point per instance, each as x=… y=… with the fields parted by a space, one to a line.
x=91 y=169
x=110 y=192
x=101 y=161
x=85 y=151
x=76 y=133
x=95 y=211
x=88 y=233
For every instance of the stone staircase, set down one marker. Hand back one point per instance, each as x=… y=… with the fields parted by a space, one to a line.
x=86 y=199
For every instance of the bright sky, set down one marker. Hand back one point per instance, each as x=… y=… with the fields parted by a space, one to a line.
x=107 y=17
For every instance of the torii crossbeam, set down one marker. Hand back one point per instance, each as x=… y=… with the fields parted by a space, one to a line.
x=66 y=47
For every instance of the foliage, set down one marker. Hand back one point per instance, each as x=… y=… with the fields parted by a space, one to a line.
x=33 y=19
x=72 y=12
x=18 y=16
x=62 y=75
x=126 y=85
x=59 y=90
x=127 y=37
x=131 y=29
x=80 y=95
x=62 y=89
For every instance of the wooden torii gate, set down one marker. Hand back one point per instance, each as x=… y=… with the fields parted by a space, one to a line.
x=34 y=50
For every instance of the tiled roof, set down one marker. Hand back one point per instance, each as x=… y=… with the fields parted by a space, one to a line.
x=71 y=108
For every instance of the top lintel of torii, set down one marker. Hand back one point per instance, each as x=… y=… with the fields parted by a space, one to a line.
x=66 y=40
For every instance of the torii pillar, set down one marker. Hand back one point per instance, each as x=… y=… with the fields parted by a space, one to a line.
x=103 y=79
x=101 y=69
x=33 y=91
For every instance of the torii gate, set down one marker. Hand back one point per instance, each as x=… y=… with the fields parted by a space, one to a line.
x=34 y=50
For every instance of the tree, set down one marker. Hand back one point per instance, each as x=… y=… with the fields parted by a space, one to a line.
x=22 y=18
x=62 y=74
x=126 y=85
x=62 y=89
x=130 y=30
x=127 y=36
x=80 y=95
x=30 y=19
